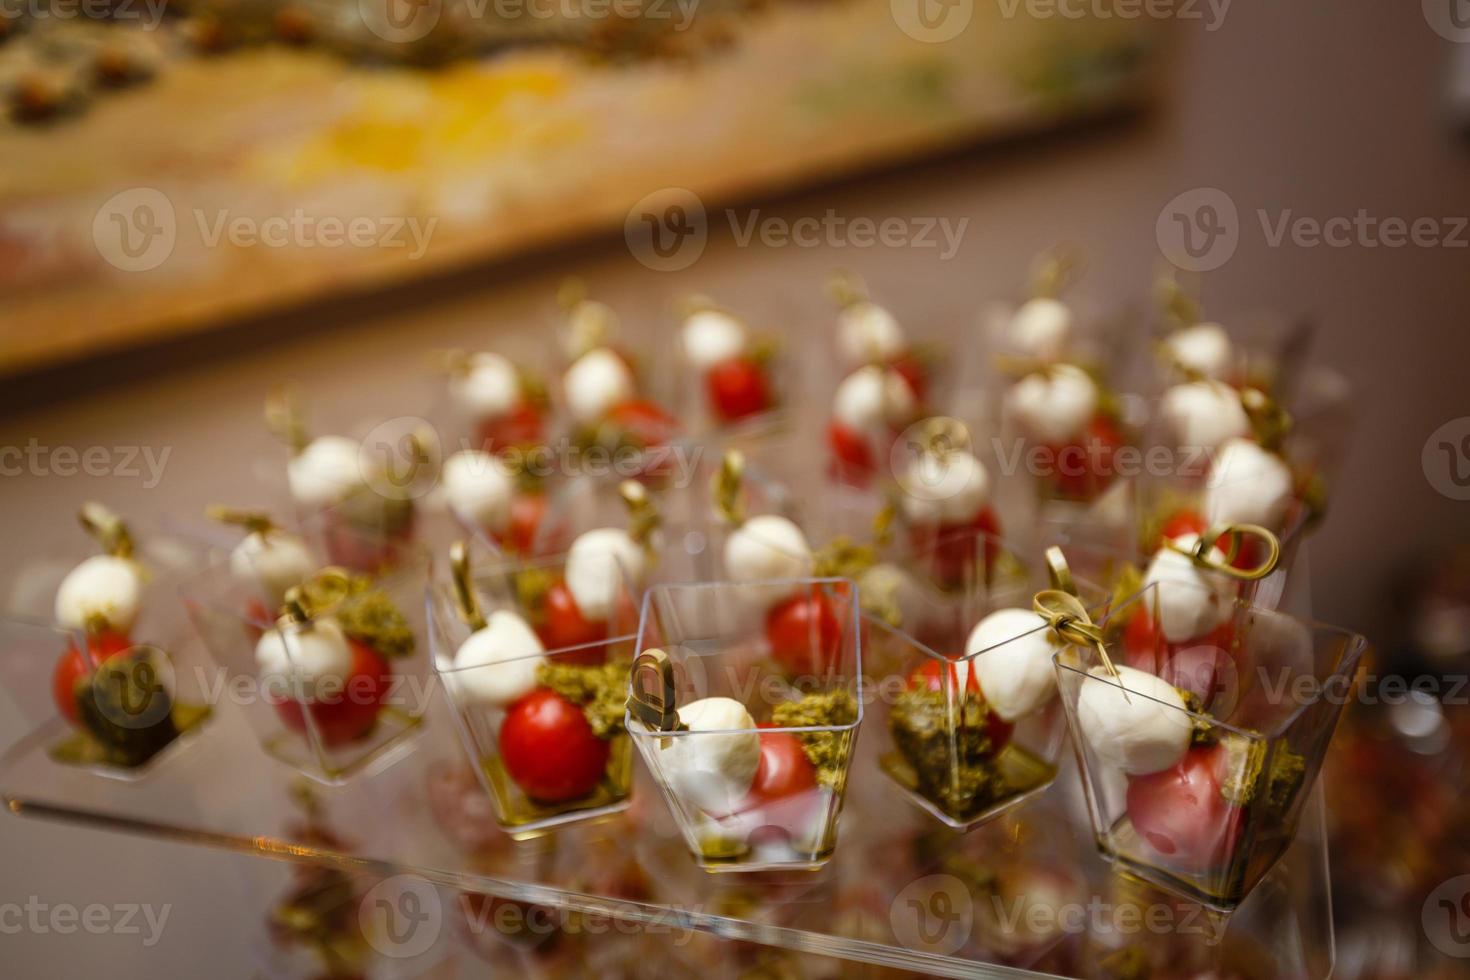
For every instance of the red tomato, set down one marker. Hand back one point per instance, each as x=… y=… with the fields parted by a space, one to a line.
x=350 y=711
x=256 y=614
x=548 y=748
x=73 y=668
x=805 y=634
x=738 y=389
x=562 y=625
x=950 y=549
x=1180 y=523
x=1199 y=664
x=521 y=426
x=1181 y=814
x=784 y=768
x=364 y=550
x=997 y=728
x=1083 y=470
x=852 y=459
x=911 y=369
x=645 y=423
x=526 y=513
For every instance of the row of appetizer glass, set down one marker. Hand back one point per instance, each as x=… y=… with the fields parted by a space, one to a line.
x=742 y=660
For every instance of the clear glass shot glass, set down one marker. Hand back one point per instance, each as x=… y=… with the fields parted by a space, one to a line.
x=537 y=688
x=749 y=729
x=1197 y=758
x=336 y=693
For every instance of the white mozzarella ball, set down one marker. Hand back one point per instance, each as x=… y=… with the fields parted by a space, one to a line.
x=597 y=383
x=1248 y=485
x=600 y=565
x=872 y=398
x=325 y=472
x=712 y=337
x=947 y=488
x=1192 y=601
x=767 y=547
x=496 y=665
x=867 y=332
x=479 y=487
x=1146 y=731
x=714 y=772
x=1015 y=673
x=1204 y=414
x=1042 y=328
x=1053 y=406
x=306 y=662
x=102 y=587
x=489 y=388
x=1204 y=349
x=273 y=561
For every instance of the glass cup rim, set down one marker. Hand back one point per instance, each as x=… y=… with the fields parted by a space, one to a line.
x=1347 y=663
x=636 y=727
x=931 y=653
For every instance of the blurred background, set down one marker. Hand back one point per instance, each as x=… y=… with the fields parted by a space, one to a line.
x=199 y=201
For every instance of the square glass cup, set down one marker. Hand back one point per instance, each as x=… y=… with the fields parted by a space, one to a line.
x=942 y=741
x=570 y=694
x=108 y=704
x=756 y=768
x=330 y=725
x=1197 y=760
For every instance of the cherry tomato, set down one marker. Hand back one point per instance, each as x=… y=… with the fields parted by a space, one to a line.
x=526 y=513
x=365 y=550
x=562 y=625
x=951 y=549
x=548 y=748
x=1201 y=664
x=738 y=389
x=784 y=768
x=805 y=634
x=1083 y=470
x=257 y=617
x=911 y=369
x=521 y=426
x=927 y=675
x=1180 y=523
x=645 y=423
x=350 y=711
x=1181 y=814
x=73 y=668
x=852 y=459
